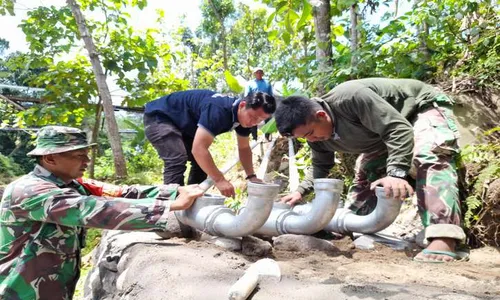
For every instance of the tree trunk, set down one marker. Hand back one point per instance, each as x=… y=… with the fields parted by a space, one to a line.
x=396 y=8
x=251 y=49
x=194 y=82
x=322 y=24
x=111 y=125
x=222 y=34
x=354 y=34
x=305 y=43
x=95 y=134
x=423 y=33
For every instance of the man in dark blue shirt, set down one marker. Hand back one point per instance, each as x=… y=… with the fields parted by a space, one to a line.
x=182 y=126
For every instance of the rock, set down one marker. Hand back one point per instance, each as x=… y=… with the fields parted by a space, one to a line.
x=253 y=246
x=121 y=280
x=302 y=243
x=203 y=236
x=420 y=239
x=176 y=228
x=364 y=242
x=490 y=222
x=233 y=244
x=107 y=260
x=122 y=264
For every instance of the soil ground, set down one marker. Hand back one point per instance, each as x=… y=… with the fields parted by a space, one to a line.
x=187 y=269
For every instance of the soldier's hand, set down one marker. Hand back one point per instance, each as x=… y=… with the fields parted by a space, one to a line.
x=396 y=187
x=225 y=187
x=187 y=195
x=292 y=198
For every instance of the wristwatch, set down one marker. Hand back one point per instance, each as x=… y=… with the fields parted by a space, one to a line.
x=250 y=176
x=398 y=173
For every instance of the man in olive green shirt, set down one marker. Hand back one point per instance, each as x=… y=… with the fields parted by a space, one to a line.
x=395 y=125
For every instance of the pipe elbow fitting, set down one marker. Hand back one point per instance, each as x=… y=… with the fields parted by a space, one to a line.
x=319 y=212
x=384 y=214
x=256 y=210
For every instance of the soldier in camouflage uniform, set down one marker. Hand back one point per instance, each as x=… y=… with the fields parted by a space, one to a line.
x=43 y=216
x=395 y=125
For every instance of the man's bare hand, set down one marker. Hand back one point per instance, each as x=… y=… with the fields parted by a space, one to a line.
x=225 y=187
x=186 y=197
x=256 y=180
x=292 y=198
x=396 y=187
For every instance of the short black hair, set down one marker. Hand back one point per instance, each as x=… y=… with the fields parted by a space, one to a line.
x=293 y=112
x=259 y=99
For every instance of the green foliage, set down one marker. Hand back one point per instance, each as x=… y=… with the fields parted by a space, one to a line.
x=213 y=12
x=303 y=158
x=140 y=137
x=238 y=200
x=270 y=127
x=223 y=149
x=484 y=157
x=233 y=83
x=290 y=31
x=92 y=239
x=14 y=144
x=19 y=69
x=8 y=168
x=50 y=30
x=143 y=165
x=4 y=45
x=464 y=42
x=7 y=6
x=145 y=162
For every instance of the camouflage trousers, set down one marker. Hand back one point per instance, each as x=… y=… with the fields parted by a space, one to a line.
x=434 y=169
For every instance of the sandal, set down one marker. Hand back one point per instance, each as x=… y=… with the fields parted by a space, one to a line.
x=437 y=252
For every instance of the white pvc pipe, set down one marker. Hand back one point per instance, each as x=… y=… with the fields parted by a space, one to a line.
x=265 y=160
x=381 y=217
x=283 y=219
x=208 y=214
x=293 y=175
x=346 y=221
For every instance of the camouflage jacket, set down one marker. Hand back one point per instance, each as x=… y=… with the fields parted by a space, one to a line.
x=41 y=228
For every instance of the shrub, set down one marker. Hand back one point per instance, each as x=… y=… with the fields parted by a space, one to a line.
x=8 y=168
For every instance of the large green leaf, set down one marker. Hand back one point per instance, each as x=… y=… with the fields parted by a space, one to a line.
x=270 y=127
x=306 y=14
x=232 y=82
x=288 y=22
x=270 y=19
x=338 y=30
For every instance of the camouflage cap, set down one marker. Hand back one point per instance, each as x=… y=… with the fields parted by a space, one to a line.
x=58 y=139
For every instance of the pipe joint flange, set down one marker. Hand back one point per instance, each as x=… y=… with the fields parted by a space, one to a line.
x=210 y=221
x=340 y=224
x=263 y=190
x=280 y=221
x=328 y=184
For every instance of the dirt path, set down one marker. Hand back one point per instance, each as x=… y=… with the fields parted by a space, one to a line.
x=180 y=269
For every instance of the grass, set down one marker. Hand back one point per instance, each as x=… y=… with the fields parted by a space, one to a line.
x=92 y=240
x=223 y=148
